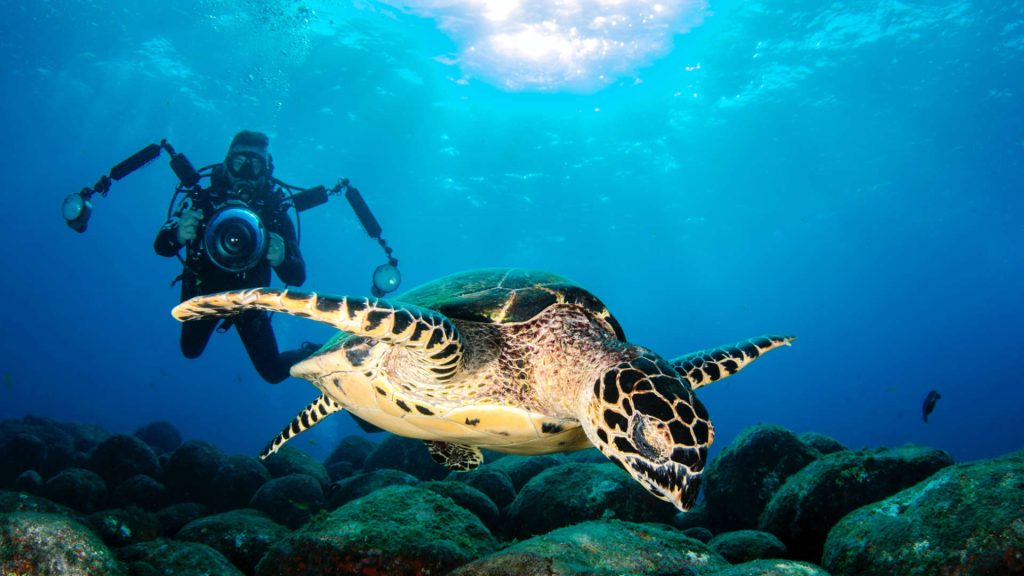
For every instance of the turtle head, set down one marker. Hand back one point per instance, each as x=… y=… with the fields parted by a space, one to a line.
x=645 y=418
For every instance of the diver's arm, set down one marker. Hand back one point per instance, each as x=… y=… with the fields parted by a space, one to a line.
x=166 y=243
x=292 y=270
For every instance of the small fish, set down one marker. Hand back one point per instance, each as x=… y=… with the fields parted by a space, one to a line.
x=929 y=404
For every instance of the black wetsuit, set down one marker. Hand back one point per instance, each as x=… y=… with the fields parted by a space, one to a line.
x=201 y=276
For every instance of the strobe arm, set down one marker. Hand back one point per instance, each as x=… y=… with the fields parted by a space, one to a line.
x=77 y=207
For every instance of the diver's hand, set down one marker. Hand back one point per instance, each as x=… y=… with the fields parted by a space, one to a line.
x=276 y=251
x=187 y=224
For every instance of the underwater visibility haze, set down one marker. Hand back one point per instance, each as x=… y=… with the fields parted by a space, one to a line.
x=850 y=173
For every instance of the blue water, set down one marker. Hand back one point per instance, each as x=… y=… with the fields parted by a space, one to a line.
x=848 y=172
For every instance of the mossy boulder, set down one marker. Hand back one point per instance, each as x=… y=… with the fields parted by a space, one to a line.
x=571 y=493
x=747 y=545
x=811 y=501
x=354 y=487
x=165 y=556
x=395 y=530
x=51 y=544
x=964 y=519
x=741 y=481
x=242 y=536
x=601 y=548
x=405 y=454
x=772 y=568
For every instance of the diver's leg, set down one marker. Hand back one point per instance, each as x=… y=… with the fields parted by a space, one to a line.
x=195 y=335
x=258 y=337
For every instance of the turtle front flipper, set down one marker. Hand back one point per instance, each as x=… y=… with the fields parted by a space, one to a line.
x=458 y=457
x=316 y=411
x=706 y=366
x=429 y=333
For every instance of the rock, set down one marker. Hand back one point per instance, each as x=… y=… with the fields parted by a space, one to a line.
x=65 y=444
x=591 y=455
x=119 y=527
x=696 y=517
x=242 y=536
x=339 y=470
x=237 y=481
x=964 y=519
x=120 y=457
x=165 y=556
x=78 y=488
x=811 y=501
x=348 y=489
x=740 y=482
x=394 y=530
x=29 y=482
x=291 y=500
x=407 y=455
x=142 y=491
x=174 y=517
x=771 y=568
x=698 y=533
x=19 y=453
x=51 y=544
x=521 y=469
x=20 y=502
x=190 y=471
x=746 y=545
x=352 y=450
x=161 y=436
x=493 y=482
x=290 y=460
x=469 y=498
x=600 y=548
x=572 y=493
x=822 y=443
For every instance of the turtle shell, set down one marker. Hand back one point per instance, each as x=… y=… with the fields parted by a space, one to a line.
x=504 y=296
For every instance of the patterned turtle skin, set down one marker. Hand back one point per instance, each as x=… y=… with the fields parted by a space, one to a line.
x=516 y=361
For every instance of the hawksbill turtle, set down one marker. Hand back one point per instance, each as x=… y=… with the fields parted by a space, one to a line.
x=516 y=361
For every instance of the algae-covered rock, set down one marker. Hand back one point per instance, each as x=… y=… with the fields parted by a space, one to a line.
x=52 y=545
x=744 y=477
x=965 y=519
x=492 y=481
x=349 y=489
x=291 y=500
x=601 y=548
x=811 y=501
x=288 y=460
x=120 y=457
x=122 y=527
x=395 y=530
x=237 y=481
x=20 y=502
x=142 y=491
x=162 y=437
x=351 y=450
x=404 y=454
x=81 y=489
x=190 y=470
x=242 y=536
x=469 y=498
x=772 y=568
x=521 y=469
x=570 y=493
x=747 y=545
x=168 y=557
x=821 y=443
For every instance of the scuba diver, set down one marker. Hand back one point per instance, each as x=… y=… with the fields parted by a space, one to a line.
x=234 y=232
x=224 y=251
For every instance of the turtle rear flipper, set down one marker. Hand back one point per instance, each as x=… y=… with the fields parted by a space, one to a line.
x=435 y=339
x=310 y=416
x=458 y=457
x=703 y=367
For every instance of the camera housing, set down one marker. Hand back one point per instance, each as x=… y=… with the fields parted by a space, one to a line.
x=235 y=239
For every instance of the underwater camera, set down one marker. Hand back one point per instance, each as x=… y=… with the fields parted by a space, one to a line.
x=235 y=238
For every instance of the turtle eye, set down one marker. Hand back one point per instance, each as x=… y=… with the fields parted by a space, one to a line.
x=652 y=437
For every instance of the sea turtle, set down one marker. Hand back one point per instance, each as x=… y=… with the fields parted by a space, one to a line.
x=512 y=360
